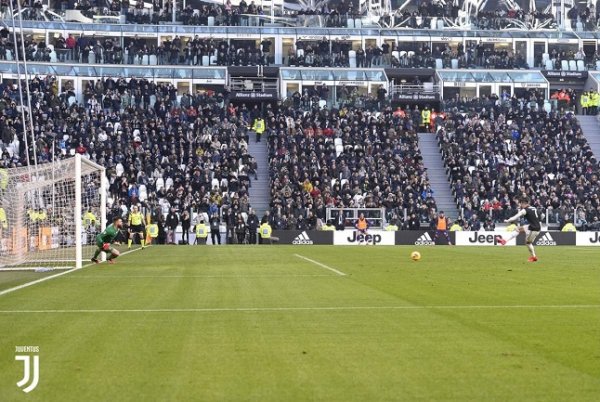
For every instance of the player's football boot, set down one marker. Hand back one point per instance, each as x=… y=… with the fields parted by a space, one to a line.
x=501 y=241
x=110 y=261
x=95 y=261
x=532 y=259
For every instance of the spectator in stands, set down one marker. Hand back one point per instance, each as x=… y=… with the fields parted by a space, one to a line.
x=495 y=155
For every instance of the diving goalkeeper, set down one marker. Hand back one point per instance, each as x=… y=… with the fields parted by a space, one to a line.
x=104 y=240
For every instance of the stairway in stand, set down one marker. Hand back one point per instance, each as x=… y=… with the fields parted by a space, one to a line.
x=436 y=172
x=260 y=193
x=591 y=129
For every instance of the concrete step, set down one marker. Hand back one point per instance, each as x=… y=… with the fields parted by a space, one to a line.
x=436 y=173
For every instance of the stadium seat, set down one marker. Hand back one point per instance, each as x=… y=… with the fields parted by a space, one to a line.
x=338 y=141
x=396 y=54
x=9 y=55
x=92 y=58
x=53 y=58
x=205 y=61
x=214 y=183
x=339 y=149
x=564 y=65
x=549 y=65
x=143 y=193
x=454 y=63
x=160 y=183
x=433 y=23
x=349 y=23
x=300 y=53
x=545 y=57
x=169 y=183
x=598 y=65
x=439 y=64
x=145 y=60
x=411 y=54
x=547 y=106
x=428 y=87
x=579 y=26
x=153 y=60
x=572 y=65
x=352 y=58
x=358 y=23
x=211 y=21
x=440 y=24
x=580 y=65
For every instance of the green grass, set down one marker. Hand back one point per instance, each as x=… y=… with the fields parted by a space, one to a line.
x=260 y=324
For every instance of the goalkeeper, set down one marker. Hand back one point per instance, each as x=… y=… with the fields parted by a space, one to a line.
x=104 y=240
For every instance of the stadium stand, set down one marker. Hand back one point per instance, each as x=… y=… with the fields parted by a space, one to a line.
x=495 y=151
x=161 y=149
x=349 y=157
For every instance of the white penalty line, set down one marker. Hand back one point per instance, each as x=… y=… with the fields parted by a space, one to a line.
x=47 y=278
x=320 y=264
x=280 y=309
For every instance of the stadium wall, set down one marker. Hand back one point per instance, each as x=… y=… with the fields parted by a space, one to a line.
x=425 y=238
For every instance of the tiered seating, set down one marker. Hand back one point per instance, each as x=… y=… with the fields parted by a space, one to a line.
x=345 y=158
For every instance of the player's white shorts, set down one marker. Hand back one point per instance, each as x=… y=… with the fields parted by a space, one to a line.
x=529 y=235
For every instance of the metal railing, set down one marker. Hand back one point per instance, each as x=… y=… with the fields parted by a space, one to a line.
x=254 y=84
x=375 y=216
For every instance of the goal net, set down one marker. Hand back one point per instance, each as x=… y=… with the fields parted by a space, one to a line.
x=51 y=214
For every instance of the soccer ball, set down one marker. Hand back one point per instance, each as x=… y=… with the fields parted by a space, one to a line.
x=415 y=256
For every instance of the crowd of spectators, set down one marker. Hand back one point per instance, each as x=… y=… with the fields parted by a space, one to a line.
x=495 y=151
x=419 y=15
x=162 y=150
x=221 y=52
x=345 y=158
x=178 y=51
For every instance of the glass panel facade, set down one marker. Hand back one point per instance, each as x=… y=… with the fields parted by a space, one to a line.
x=219 y=73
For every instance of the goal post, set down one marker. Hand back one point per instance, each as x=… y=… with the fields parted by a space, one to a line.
x=51 y=213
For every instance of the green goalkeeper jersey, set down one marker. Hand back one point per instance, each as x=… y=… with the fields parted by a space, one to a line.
x=108 y=235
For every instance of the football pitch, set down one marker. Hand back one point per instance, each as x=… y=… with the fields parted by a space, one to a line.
x=310 y=323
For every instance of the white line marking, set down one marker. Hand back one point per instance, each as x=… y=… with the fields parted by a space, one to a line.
x=276 y=309
x=47 y=278
x=321 y=265
x=200 y=276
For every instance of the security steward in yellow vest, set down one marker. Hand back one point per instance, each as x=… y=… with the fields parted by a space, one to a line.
x=152 y=231
x=3 y=220
x=89 y=219
x=265 y=231
x=594 y=102
x=201 y=231
x=569 y=227
x=456 y=227
x=392 y=227
x=259 y=127
x=328 y=226
x=426 y=118
x=584 y=101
